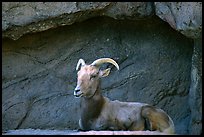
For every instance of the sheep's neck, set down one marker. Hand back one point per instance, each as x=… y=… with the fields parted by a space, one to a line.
x=91 y=107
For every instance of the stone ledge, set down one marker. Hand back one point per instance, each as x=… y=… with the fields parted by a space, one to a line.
x=74 y=132
x=120 y=133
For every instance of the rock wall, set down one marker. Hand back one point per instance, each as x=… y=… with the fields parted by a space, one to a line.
x=195 y=92
x=158 y=65
x=40 y=16
x=74 y=132
x=186 y=17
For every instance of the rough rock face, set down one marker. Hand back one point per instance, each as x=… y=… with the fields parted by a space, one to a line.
x=39 y=71
x=40 y=16
x=195 y=92
x=185 y=17
x=74 y=132
x=158 y=65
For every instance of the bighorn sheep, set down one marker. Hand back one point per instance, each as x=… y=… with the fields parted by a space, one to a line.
x=100 y=113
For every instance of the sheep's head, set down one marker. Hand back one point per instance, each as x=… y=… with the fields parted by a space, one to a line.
x=89 y=75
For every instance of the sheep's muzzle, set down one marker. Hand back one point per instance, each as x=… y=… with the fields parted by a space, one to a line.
x=77 y=92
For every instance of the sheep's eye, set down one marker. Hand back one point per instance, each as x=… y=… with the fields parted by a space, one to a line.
x=93 y=76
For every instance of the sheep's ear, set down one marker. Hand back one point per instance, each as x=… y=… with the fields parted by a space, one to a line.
x=104 y=73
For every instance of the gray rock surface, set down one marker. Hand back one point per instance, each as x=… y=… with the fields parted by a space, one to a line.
x=186 y=17
x=195 y=92
x=74 y=132
x=19 y=18
x=38 y=71
x=158 y=65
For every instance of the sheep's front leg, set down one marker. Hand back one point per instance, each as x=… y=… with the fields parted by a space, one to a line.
x=100 y=124
x=85 y=125
x=80 y=125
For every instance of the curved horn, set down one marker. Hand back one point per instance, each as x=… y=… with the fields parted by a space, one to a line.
x=105 y=60
x=80 y=62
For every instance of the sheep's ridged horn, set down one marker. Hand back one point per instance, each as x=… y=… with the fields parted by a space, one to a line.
x=80 y=62
x=105 y=60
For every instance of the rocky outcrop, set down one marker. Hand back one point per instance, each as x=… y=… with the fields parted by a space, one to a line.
x=39 y=71
x=72 y=132
x=186 y=17
x=158 y=65
x=19 y=18
x=195 y=92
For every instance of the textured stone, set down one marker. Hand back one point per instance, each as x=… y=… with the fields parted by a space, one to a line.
x=195 y=93
x=24 y=13
x=186 y=17
x=130 y=10
x=38 y=71
x=19 y=18
x=73 y=132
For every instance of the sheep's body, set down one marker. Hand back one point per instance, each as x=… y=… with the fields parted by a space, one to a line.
x=100 y=113
x=116 y=115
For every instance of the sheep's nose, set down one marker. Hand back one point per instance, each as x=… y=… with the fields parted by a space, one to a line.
x=77 y=92
x=77 y=89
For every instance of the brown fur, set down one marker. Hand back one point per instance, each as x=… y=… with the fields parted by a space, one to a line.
x=88 y=114
x=158 y=119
